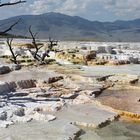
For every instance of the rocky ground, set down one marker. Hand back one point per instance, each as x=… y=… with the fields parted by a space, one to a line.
x=62 y=98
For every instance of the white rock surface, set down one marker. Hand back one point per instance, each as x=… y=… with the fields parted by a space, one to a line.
x=5 y=124
x=43 y=117
x=129 y=79
x=69 y=96
x=87 y=115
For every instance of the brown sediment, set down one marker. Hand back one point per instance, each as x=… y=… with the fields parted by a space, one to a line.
x=122 y=115
x=129 y=116
x=89 y=59
x=124 y=99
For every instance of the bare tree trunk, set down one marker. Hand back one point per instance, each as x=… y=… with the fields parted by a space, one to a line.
x=14 y=56
x=36 y=46
x=52 y=43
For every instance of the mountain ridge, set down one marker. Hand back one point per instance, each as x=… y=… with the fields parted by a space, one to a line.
x=65 y=27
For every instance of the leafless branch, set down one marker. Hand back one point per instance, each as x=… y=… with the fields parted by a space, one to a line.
x=40 y=47
x=10 y=28
x=12 y=3
x=17 y=55
x=41 y=58
x=52 y=43
x=36 y=46
x=14 y=56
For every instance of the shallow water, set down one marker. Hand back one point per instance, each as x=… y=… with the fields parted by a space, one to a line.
x=133 y=69
x=123 y=99
x=114 y=131
x=31 y=131
x=101 y=70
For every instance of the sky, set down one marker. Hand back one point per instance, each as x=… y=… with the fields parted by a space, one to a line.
x=101 y=10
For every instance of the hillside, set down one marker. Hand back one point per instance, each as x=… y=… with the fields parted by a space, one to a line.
x=64 y=27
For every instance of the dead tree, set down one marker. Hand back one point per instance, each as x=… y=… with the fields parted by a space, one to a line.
x=40 y=57
x=51 y=44
x=10 y=4
x=36 y=46
x=14 y=56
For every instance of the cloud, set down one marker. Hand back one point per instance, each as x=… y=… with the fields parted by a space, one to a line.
x=38 y=6
x=64 y=6
x=123 y=7
x=74 y=7
x=91 y=9
x=42 y=6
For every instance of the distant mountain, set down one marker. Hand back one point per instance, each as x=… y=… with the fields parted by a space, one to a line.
x=64 y=27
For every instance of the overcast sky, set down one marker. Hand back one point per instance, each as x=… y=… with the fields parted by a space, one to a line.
x=102 y=10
